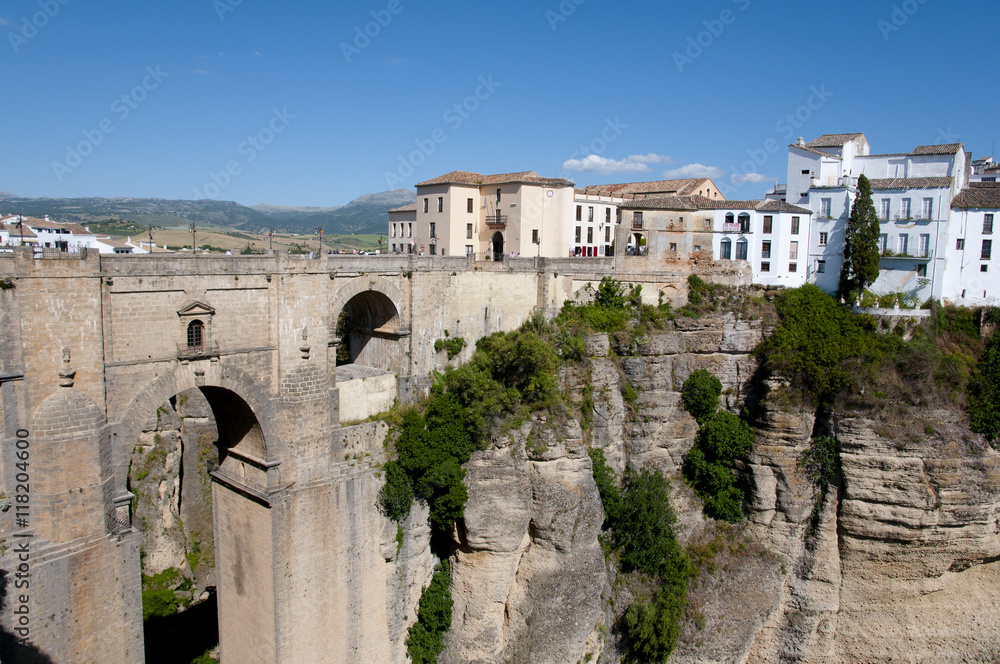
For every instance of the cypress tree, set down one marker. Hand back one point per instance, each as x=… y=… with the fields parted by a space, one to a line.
x=861 y=256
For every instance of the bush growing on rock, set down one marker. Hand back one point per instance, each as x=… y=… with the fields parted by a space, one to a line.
x=640 y=523
x=708 y=465
x=984 y=392
x=700 y=394
x=425 y=639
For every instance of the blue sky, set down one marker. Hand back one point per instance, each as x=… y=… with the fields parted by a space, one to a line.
x=118 y=98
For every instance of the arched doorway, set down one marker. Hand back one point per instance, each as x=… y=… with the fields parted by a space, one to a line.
x=368 y=332
x=498 y=246
x=636 y=245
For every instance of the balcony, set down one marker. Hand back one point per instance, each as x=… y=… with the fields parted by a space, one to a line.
x=496 y=221
x=919 y=256
x=198 y=352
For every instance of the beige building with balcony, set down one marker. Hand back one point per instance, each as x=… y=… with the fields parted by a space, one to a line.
x=490 y=216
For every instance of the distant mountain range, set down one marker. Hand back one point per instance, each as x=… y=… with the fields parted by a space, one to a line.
x=365 y=214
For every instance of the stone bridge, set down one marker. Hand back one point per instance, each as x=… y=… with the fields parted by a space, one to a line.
x=92 y=345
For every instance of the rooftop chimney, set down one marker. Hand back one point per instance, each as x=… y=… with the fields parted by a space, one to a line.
x=801 y=142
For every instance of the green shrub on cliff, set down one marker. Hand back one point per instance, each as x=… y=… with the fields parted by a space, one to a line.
x=425 y=639
x=820 y=345
x=708 y=465
x=984 y=392
x=639 y=522
x=700 y=394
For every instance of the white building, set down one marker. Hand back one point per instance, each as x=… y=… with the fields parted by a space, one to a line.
x=912 y=193
x=970 y=275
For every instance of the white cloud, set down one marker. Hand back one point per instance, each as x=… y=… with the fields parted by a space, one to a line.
x=4 y=21
x=200 y=71
x=751 y=178
x=637 y=163
x=694 y=171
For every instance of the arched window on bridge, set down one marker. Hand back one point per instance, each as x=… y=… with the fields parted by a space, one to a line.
x=195 y=334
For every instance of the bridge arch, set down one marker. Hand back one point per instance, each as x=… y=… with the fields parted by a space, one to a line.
x=235 y=398
x=243 y=488
x=370 y=323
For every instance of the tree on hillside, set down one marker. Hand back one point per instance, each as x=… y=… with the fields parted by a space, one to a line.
x=861 y=255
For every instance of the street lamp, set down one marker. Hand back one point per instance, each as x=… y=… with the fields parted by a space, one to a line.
x=194 y=238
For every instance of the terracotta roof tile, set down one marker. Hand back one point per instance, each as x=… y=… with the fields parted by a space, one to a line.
x=950 y=148
x=910 y=183
x=833 y=140
x=978 y=196
x=409 y=207
x=478 y=179
x=685 y=187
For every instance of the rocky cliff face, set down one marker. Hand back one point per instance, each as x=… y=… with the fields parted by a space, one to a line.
x=897 y=562
x=169 y=477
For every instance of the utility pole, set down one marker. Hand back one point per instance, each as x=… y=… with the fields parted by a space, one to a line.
x=151 y=238
x=270 y=236
x=320 y=231
x=194 y=238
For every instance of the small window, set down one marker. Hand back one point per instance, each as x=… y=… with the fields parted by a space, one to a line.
x=883 y=243
x=196 y=334
x=426 y=203
x=410 y=229
x=820 y=267
x=468 y=231
x=607 y=233
x=987 y=250
x=440 y=203
x=886 y=206
x=988 y=224
x=793 y=250
x=805 y=171
x=578 y=234
x=579 y=213
x=673 y=246
x=637 y=219
x=468 y=207
x=792 y=267
x=741 y=250
x=765 y=249
x=468 y=250
x=984 y=267
x=825 y=207
x=590 y=214
x=607 y=215
x=433 y=226
x=765 y=267
x=922 y=270
x=768 y=223
x=822 y=239
x=433 y=250
x=697 y=248
x=393 y=232
x=795 y=225
x=534 y=236
x=590 y=235
x=960 y=244
x=904 y=209
x=928 y=209
x=904 y=244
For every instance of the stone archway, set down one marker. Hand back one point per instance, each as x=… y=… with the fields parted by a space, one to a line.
x=243 y=486
x=370 y=325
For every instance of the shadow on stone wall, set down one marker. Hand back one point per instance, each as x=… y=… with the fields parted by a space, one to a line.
x=179 y=638
x=10 y=650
